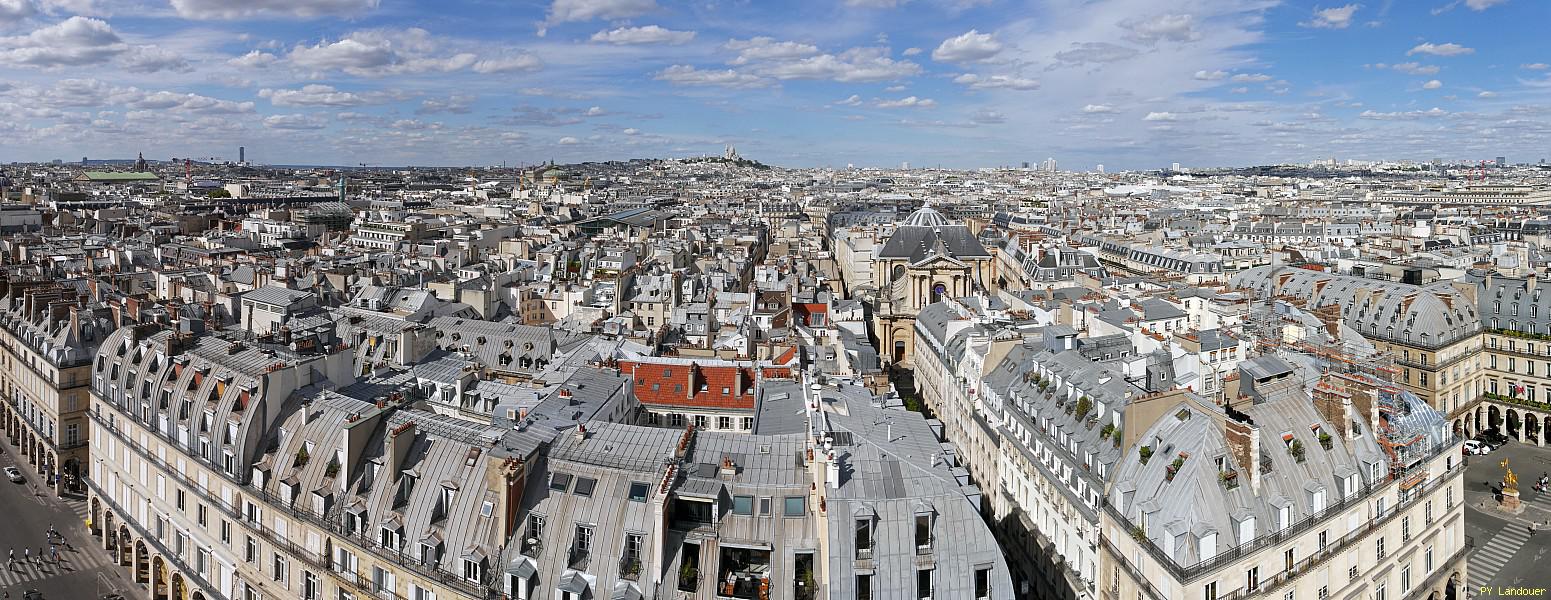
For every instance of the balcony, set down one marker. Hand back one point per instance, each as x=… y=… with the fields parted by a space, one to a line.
x=630 y=568
x=578 y=558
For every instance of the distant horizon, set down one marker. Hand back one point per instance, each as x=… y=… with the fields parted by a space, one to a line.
x=1131 y=84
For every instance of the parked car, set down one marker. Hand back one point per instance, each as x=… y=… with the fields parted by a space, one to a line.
x=1476 y=447
x=14 y=475
x=1492 y=437
x=32 y=595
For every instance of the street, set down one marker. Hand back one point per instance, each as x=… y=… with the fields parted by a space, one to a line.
x=1506 y=552
x=84 y=571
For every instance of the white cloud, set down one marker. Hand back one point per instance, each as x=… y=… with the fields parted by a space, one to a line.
x=294 y=122
x=381 y=52
x=458 y=104
x=568 y=141
x=243 y=9
x=977 y=82
x=1339 y=17
x=317 y=95
x=1098 y=109
x=1096 y=53
x=1487 y=94
x=519 y=63
x=971 y=46
x=1251 y=78
x=1432 y=85
x=631 y=131
x=912 y=51
x=1411 y=68
x=1449 y=49
x=253 y=60
x=856 y=64
x=1210 y=75
x=16 y=10
x=688 y=75
x=854 y=100
x=1479 y=5
x=565 y=11
x=1170 y=27
x=150 y=59
x=650 y=34
x=1161 y=116
x=907 y=102
x=766 y=48
x=988 y=117
x=1535 y=66
x=76 y=41
x=1403 y=116
x=193 y=103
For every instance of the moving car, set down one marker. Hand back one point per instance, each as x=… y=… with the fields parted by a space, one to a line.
x=1476 y=447
x=14 y=475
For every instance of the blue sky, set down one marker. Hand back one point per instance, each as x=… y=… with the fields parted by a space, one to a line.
x=961 y=83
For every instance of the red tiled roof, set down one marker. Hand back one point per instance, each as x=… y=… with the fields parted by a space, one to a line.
x=697 y=386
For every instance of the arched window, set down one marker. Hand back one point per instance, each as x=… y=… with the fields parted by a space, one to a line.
x=899 y=273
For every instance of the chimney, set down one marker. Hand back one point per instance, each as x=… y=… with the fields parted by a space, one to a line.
x=59 y=310
x=399 y=442
x=581 y=432
x=1244 y=443
x=75 y=322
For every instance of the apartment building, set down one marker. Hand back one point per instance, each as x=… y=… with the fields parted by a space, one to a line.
x=1357 y=494
x=48 y=335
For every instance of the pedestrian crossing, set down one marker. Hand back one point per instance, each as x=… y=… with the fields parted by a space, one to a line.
x=71 y=562
x=1486 y=560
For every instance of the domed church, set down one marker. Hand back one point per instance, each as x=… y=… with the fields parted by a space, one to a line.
x=926 y=259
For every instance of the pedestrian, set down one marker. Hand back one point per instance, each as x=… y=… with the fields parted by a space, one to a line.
x=27 y=554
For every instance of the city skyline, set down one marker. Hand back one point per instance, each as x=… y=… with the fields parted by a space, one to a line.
x=1125 y=83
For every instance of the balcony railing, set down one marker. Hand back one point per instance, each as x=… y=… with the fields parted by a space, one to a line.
x=1185 y=574
x=629 y=567
x=331 y=523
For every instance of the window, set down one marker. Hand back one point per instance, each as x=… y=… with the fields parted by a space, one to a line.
x=277 y=568
x=1405 y=578
x=310 y=588
x=584 y=486
x=250 y=550
x=924 y=583
x=419 y=593
x=199 y=514
x=1427 y=562
x=1378 y=591
x=743 y=505
x=559 y=481
x=181 y=500
x=1324 y=592
x=748 y=423
x=583 y=538
x=344 y=561
x=724 y=422
x=226 y=532
x=638 y=491
x=1405 y=529
x=765 y=508
x=864 y=587
x=1289 y=595
x=1287 y=560
x=863 y=538
x=982 y=583
x=923 y=531
x=1252 y=579
x=1379 y=548
x=1209 y=591
x=1324 y=536
x=472 y=571
x=382 y=580
x=796 y=506
x=702 y=422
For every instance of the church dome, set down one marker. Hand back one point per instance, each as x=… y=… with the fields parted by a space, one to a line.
x=926 y=216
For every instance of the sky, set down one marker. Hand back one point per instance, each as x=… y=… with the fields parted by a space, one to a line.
x=1131 y=84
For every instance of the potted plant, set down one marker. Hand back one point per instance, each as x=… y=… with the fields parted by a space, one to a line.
x=1138 y=534
x=1083 y=406
x=689 y=577
x=1296 y=448
x=332 y=469
x=1106 y=431
x=1324 y=440
x=1173 y=468
x=1229 y=479
x=1146 y=453
x=301 y=457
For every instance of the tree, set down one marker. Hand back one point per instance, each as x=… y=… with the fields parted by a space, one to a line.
x=220 y=193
